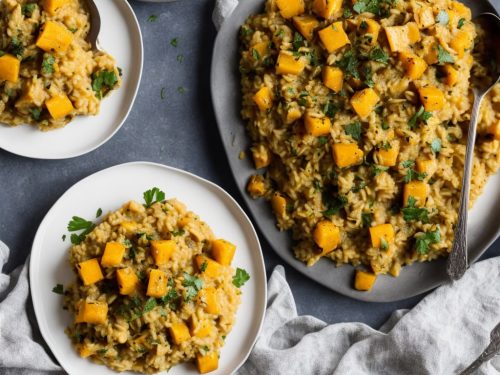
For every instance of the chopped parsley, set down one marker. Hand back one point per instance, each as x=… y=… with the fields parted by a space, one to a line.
x=171 y=299
x=181 y=90
x=98 y=212
x=349 y=64
x=424 y=240
x=174 y=42
x=78 y=224
x=384 y=245
x=367 y=72
x=103 y=82
x=366 y=219
x=240 y=277
x=444 y=56
x=152 y=18
x=354 y=130
x=378 y=7
x=255 y=54
x=359 y=184
x=420 y=115
x=203 y=266
x=334 y=205
x=280 y=33
x=298 y=41
x=347 y=13
x=379 y=55
x=193 y=285
x=413 y=213
x=58 y=289
x=322 y=140
x=378 y=169
x=48 y=64
x=330 y=109
x=36 y=113
x=28 y=9
x=16 y=48
x=442 y=17
x=153 y=196
x=436 y=145
x=412 y=174
x=63 y=237
x=149 y=305
x=461 y=23
x=177 y=233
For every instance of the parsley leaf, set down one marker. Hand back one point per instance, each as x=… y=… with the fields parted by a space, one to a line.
x=424 y=240
x=298 y=41
x=354 y=130
x=322 y=140
x=36 y=113
x=192 y=284
x=349 y=64
x=444 y=56
x=378 y=7
x=334 y=205
x=366 y=219
x=442 y=17
x=103 y=82
x=78 y=224
x=98 y=213
x=461 y=23
x=177 y=233
x=58 y=289
x=152 y=18
x=436 y=145
x=330 y=109
x=153 y=196
x=420 y=115
x=240 y=277
x=203 y=266
x=16 y=48
x=379 y=55
x=384 y=245
x=378 y=169
x=149 y=305
x=28 y=9
x=255 y=54
x=413 y=213
x=174 y=42
x=48 y=63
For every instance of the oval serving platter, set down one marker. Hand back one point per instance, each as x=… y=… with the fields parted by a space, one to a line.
x=108 y=190
x=415 y=279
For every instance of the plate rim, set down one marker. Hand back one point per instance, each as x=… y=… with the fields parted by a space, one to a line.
x=38 y=237
x=252 y=206
x=71 y=155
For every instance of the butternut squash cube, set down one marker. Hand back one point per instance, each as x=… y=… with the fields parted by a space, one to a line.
x=261 y=156
x=414 y=66
x=89 y=271
x=223 y=251
x=113 y=254
x=460 y=42
x=327 y=236
x=162 y=251
x=364 y=281
x=157 y=285
x=427 y=166
x=494 y=129
x=256 y=186
x=389 y=157
x=462 y=10
x=127 y=281
x=432 y=98
x=264 y=98
x=261 y=48
x=423 y=14
x=9 y=68
x=417 y=190
x=59 y=106
x=379 y=232
x=327 y=8
x=129 y=226
x=400 y=38
x=413 y=32
x=51 y=6
x=208 y=297
x=278 y=203
x=305 y=25
x=207 y=363
x=85 y=350
x=451 y=75
x=333 y=78
x=179 y=332
x=372 y=28
x=290 y=8
x=347 y=154
x=202 y=328
x=333 y=37
x=364 y=101
x=212 y=268
x=92 y=313
x=54 y=37
x=431 y=53
x=317 y=126
x=293 y=113
x=287 y=64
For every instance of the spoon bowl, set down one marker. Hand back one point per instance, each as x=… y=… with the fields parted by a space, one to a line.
x=95 y=24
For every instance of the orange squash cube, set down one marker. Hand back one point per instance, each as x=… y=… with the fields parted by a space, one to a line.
x=364 y=281
x=451 y=75
x=278 y=203
x=461 y=42
x=162 y=251
x=127 y=281
x=364 y=101
x=262 y=49
x=347 y=154
x=207 y=363
x=202 y=328
x=379 y=232
x=431 y=53
x=89 y=271
x=305 y=25
x=317 y=126
x=264 y=98
x=129 y=226
x=400 y=38
x=223 y=251
x=287 y=64
x=261 y=156
x=92 y=313
x=372 y=29
x=51 y=6
x=414 y=66
x=333 y=78
x=333 y=37
x=54 y=37
x=208 y=298
x=432 y=98
x=327 y=8
x=417 y=190
x=427 y=166
x=113 y=254
x=179 y=332
x=212 y=268
x=59 y=106
x=462 y=10
x=388 y=158
x=327 y=236
x=9 y=68
x=85 y=350
x=293 y=114
x=157 y=285
x=290 y=8
x=256 y=186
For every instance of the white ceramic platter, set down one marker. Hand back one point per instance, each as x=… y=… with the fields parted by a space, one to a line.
x=108 y=190
x=120 y=36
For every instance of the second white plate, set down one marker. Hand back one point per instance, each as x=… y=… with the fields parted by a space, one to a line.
x=108 y=190
x=120 y=36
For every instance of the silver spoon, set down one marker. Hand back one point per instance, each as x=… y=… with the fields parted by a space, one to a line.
x=95 y=24
x=457 y=261
x=491 y=350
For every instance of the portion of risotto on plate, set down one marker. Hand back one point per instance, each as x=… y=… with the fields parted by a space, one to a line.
x=49 y=73
x=358 y=115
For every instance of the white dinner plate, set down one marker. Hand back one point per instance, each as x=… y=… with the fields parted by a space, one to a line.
x=120 y=36
x=108 y=190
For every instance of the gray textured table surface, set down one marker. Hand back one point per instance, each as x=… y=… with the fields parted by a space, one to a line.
x=180 y=131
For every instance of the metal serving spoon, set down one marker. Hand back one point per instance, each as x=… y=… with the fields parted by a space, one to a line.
x=491 y=350
x=95 y=24
x=457 y=261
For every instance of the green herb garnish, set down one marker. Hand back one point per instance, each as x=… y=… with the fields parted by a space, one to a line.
x=384 y=245
x=28 y=9
x=379 y=55
x=152 y=18
x=461 y=23
x=424 y=240
x=366 y=219
x=335 y=205
x=378 y=169
x=177 y=233
x=149 y=305
x=103 y=82
x=444 y=56
x=420 y=115
x=98 y=212
x=413 y=213
x=36 y=113
x=436 y=145
x=354 y=130
x=174 y=42
x=153 y=196
x=240 y=277
x=192 y=285
x=16 y=48
x=78 y=224
x=48 y=64
x=349 y=64
x=58 y=289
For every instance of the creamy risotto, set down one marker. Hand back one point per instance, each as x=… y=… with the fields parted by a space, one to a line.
x=358 y=115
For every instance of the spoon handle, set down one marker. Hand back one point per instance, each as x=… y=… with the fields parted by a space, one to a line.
x=490 y=352
x=457 y=260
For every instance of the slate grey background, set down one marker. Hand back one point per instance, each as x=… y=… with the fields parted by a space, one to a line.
x=179 y=131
